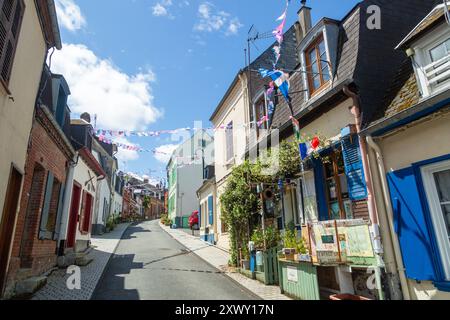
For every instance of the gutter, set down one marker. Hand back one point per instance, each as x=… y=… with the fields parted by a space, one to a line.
x=54 y=19
x=388 y=216
x=420 y=110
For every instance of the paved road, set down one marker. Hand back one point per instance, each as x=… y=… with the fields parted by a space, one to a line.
x=151 y=265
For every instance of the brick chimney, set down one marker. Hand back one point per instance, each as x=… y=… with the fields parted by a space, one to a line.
x=304 y=19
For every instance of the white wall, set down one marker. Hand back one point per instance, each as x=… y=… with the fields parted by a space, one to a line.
x=82 y=174
x=16 y=114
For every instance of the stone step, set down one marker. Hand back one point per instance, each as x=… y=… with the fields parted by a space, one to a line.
x=28 y=287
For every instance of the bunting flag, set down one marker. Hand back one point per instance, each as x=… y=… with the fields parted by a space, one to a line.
x=280 y=78
x=278 y=32
x=296 y=126
x=277 y=53
x=307 y=148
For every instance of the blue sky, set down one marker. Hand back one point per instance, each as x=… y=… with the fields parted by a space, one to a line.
x=161 y=64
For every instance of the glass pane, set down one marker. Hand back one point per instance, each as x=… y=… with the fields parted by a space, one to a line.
x=316 y=82
x=348 y=209
x=438 y=52
x=313 y=56
x=446 y=213
x=447 y=45
x=314 y=69
x=335 y=211
x=442 y=180
x=344 y=186
x=332 y=189
x=322 y=48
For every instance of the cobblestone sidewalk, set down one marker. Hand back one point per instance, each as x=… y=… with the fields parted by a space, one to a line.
x=103 y=247
x=219 y=259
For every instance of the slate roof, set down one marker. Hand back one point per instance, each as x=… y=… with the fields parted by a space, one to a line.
x=365 y=60
x=435 y=17
x=403 y=93
x=288 y=60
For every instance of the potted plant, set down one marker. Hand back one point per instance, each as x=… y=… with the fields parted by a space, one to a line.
x=289 y=244
x=245 y=262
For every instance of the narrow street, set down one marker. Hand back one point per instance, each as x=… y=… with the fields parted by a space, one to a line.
x=150 y=265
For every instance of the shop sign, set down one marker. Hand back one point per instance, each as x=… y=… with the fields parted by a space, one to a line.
x=292 y=274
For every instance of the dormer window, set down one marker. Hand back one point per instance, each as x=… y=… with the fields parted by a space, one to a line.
x=428 y=45
x=318 y=55
x=318 y=70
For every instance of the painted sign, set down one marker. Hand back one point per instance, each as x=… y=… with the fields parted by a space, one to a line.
x=292 y=274
x=358 y=242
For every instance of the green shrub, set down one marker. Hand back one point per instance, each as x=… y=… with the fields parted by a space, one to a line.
x=270 y=235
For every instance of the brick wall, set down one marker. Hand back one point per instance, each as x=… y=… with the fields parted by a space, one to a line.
x=28 y=251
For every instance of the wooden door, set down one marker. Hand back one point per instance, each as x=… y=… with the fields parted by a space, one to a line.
x=8 y=222
x=73 y=218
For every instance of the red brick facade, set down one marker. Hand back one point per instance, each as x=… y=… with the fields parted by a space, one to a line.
x=46 y=153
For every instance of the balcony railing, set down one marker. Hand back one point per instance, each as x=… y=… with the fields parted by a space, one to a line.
x=437 y=74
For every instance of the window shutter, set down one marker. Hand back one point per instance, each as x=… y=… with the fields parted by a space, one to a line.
x=59 y=212
x=411 y=226
x=43 y=233
x=319 y=180
x=211 y=210
x=11 y=15
x=200 y=216
x=354 y=168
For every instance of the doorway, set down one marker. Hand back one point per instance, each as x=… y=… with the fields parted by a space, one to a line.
x=8 y=222
x=73 y=218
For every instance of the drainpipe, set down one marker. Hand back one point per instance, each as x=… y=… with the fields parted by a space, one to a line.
x=375 y=230
x=389 y=214
x=66 y=205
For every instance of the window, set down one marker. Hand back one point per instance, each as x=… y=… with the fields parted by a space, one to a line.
x=229 y=142
x=339 y=203
x=260 y=110
x=11 y=16
x=52 y=207
x=439 y=56
x=317 y=65
x=437 y=187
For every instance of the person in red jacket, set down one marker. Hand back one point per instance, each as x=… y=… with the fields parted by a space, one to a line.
x=193 y=221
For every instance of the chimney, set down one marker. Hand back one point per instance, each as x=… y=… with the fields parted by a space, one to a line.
x=304 y=18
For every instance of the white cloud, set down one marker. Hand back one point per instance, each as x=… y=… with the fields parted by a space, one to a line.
x=125 y=155
x=159 y=10
x=233 y=27
x=69 y=15
x=164 y=152
x=211 y=19
x=120 y=101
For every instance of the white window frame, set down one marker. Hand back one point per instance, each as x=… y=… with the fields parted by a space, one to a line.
x=423 y=59
x=255 y=101
x=321 y=33
x=436 y=212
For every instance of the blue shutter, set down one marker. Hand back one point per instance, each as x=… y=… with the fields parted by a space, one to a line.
x=43 y=233
x=211 y=210
x=59 y=212
x=319 y=181
x=354 y=170
x=410 y=225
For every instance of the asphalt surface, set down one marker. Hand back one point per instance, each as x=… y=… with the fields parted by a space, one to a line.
x=150 y=265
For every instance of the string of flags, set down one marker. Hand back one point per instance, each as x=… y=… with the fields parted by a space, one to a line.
x=127 y=133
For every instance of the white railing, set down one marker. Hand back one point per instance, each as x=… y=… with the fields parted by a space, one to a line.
x=437 y=73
